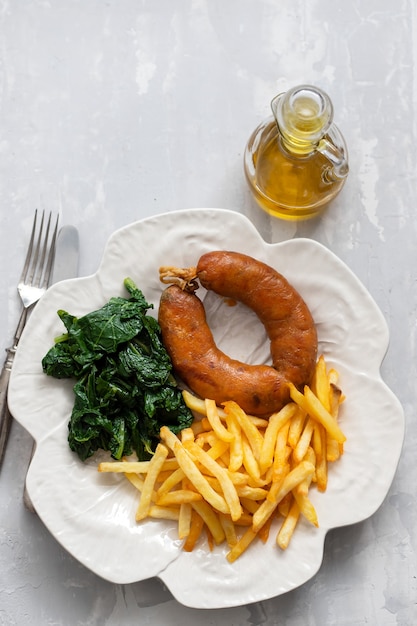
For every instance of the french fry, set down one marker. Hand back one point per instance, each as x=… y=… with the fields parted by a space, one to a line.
x=218 y=449
x=164 y=475
x=229 y=529
x=212 y=481
x=195 y=404
x=259 y=422
x=249 y=428
x=333 y=376
x=205 y=424
x=170 y=482
x=304 y=486
x=184 y=520
x=224 y=459
x=317 y=443
x=263 y=532
x=244 y=520
x=251 y=493
x=281 y=454
x=213 y=417
x=265 y=480
x=296 y=427
x=306 y=507
x=334 y=449
x=249 y=505
x=124 y=467
x=210 y=540
x=134 y=467
x=235 y=448
x=192 y=472
x=249 y=461
x=196 y=527
x=304 y=441
x=211 y=519
x=243 y=543
x=321 y=465
x=228 y=488
x=284 y=505
x=312 y=405
x=320 y=413
x=180 y=496
x=155 y=465
x=164 y=512
x=239 y=478
x=137 y=481
x=321 y=384
x=187 y=434
x=206 y=439
x=276 y=422
x=288 y=526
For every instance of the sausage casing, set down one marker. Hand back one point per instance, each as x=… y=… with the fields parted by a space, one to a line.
x=286 y=317
x=209 y=372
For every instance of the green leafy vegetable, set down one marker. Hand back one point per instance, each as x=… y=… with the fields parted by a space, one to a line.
x=125 y=390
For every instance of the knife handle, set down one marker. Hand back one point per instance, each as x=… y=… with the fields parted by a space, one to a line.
x=5 y=415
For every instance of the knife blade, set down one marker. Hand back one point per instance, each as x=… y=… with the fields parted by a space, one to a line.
x=67 y=251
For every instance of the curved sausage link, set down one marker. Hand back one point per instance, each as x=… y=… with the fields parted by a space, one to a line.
x=286 y=317
x=258 y=389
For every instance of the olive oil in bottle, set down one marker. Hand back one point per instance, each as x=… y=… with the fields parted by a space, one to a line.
x=296 y=161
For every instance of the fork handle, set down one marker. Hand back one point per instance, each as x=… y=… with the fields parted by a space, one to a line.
x=5 y=415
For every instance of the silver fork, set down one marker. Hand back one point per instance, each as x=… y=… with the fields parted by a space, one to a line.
x=33 y=283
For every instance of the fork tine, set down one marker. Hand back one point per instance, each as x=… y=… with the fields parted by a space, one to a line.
x=51 y=255
x=35 y=257
x=41 y=251
x=30 y=248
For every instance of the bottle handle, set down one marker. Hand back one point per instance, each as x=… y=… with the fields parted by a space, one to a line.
x=339 y=164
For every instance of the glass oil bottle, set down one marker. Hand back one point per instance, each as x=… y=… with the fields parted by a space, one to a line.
x=296 y=161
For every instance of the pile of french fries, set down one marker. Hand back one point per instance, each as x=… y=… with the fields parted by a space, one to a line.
x=231 y=475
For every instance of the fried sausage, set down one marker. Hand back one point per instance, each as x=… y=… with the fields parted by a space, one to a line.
x=258 y=389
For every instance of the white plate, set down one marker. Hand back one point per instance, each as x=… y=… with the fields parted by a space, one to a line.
x=92 y=515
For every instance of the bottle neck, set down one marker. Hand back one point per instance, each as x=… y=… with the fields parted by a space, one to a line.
x=299 y=148
x=303 y=116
